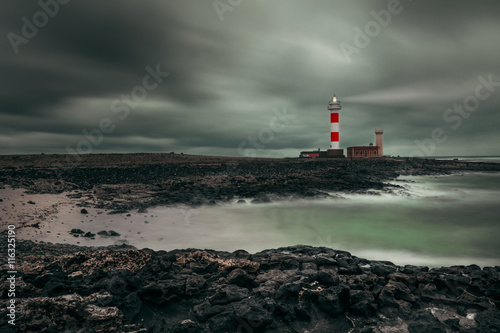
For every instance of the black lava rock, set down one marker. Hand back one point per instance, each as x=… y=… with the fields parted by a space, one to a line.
x=293 y=289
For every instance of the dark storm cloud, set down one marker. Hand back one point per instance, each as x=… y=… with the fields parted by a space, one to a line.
x=226 y=77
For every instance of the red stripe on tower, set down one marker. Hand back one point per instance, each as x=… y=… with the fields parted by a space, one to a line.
x=334 y=137
x=334 y=117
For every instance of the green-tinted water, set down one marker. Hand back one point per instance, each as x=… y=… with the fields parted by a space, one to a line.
x=452 y=216
x=431 y=221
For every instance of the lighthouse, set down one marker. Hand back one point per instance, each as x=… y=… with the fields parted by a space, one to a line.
x=334 y=107
x=335 y=151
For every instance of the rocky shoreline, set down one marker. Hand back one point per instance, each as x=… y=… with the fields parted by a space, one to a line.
x=299 y=288
x=68 y=288
x=125 y=182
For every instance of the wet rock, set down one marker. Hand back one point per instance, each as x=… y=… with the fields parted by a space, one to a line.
x=292 y=287
x=250 y=313
x=68 y=288
x=223 y=322
x=84 y=211
x=228 y=294
x=322 y=260
x=113 y=233
x=425 y=322
x=161 y=292
x=383 y=268
x=77 y=231
x=132 y=306
x=493 y=292
x=363 y=303
x=240 y=278
x=488 y=320
x=267 y=289
x=325 y=278
x=393 y=292
x=334 y=300
x=309 y=266
x=195 y=285
x=120 y=282
x=409 y=280
x=205 y=310
x=242 y=254
x=89 y=234
x=411 y=269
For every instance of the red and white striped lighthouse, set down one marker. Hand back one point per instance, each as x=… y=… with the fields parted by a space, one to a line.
x=334 y=107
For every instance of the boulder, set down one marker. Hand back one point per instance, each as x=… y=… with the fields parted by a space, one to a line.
x=240 y=278
x=334 y=300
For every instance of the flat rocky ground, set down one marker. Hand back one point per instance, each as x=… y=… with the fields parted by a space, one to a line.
x=123 y=182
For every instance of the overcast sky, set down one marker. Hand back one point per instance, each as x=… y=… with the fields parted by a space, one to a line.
x=228 y=70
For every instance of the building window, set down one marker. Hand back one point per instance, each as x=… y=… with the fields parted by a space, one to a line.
x=366 y=153
x=375 y=152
